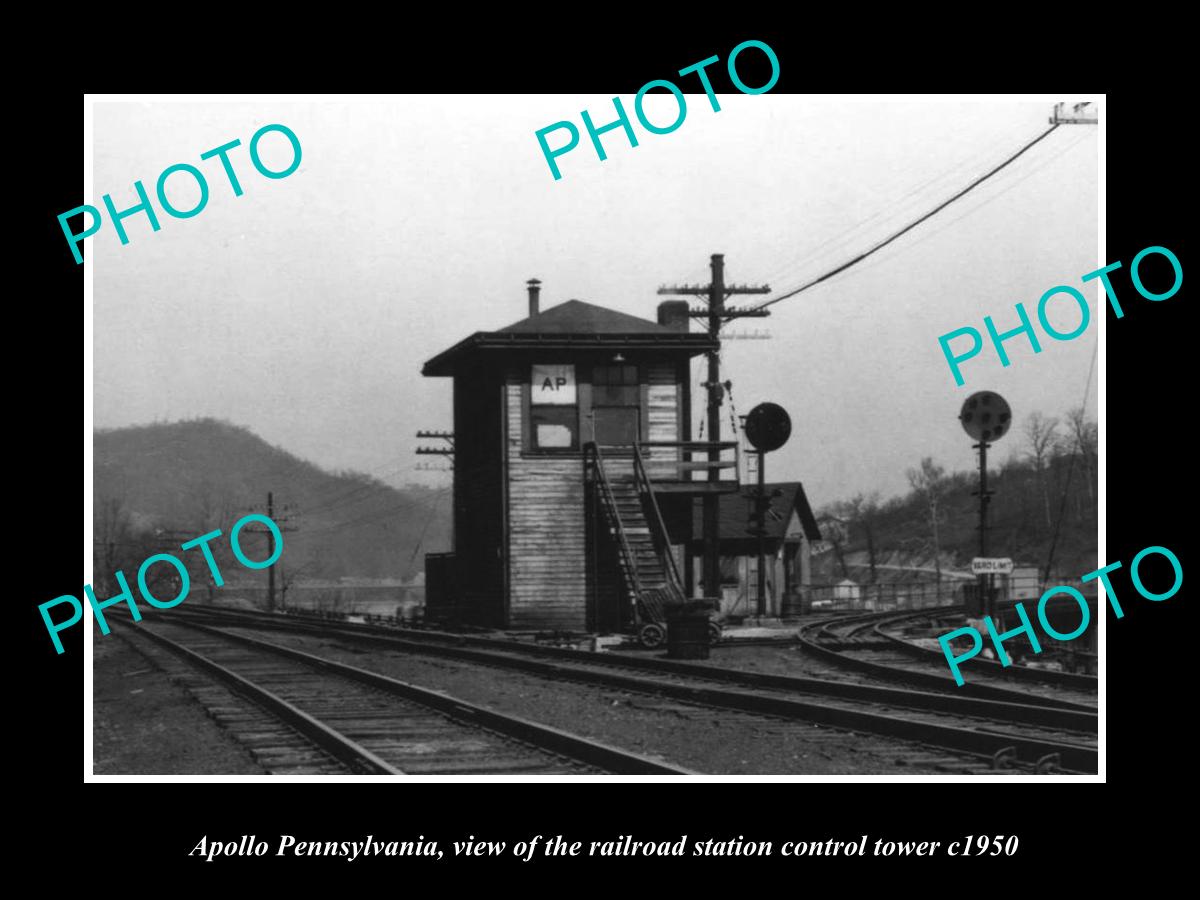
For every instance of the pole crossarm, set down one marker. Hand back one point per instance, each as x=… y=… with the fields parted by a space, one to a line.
x=714 y=315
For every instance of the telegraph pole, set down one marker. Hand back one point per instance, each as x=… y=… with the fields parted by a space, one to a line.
x=1079 y=114
x=447 y=451
x=715 y=315
x=761 y=503
x=986 y=417
x=270 y=569
x=986 y=582
x=281 y=524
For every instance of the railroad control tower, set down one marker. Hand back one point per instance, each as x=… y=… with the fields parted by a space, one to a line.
x=575 y=473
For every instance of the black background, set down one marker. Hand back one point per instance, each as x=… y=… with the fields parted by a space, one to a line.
x=151 y=827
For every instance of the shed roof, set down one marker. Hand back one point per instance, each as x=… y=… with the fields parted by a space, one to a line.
x=573 y=325
x=736 y=511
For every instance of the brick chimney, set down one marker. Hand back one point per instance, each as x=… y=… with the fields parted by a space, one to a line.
x=535 y=288
x=673 y=314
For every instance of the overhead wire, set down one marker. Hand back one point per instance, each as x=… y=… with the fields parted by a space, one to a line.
x=380 y=514
x=333 y=494
x=891 y=210
x=883 y=260
x=425 y=528
x=359 y=492
x=353 y=495
x=910 y=226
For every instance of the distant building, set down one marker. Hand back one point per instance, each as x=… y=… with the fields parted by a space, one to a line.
x=791 y=529
x=847 y=592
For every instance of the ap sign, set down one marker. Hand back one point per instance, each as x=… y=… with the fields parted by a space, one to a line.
x=552 y=385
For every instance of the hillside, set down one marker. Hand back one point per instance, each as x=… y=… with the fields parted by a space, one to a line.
x=1024 y=513
x=190 y=477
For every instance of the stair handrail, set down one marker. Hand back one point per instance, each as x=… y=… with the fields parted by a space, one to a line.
x=611 y=506
x=663 y=538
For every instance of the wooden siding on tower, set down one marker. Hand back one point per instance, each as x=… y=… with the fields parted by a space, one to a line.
x=663 y=401
x=559 y=574
x=546 y=531
x=662 y=414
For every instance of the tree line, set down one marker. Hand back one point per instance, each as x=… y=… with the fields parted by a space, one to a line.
x=1043 y=510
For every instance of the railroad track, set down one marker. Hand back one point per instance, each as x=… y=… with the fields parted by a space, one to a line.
x=303 y=714
x=885 y=630
x=1038 y=737
x=863 y=643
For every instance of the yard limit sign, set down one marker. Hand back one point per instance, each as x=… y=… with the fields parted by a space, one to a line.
x=981 y=566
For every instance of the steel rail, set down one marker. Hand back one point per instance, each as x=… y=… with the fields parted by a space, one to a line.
x=831 y=651
x=1023 y=708
x=543 y=737
x=986 y=743
x=1020 y=673
x=339 y=746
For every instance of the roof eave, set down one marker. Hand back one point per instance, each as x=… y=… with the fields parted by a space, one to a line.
x=443 y=363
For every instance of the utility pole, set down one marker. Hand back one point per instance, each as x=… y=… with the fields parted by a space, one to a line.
x=447 y=436
x=986 y=582
x=281 y=524
x=271 y=569
x=447 y=451
x=761 y=504
x=1079 y=114
x=715 y=315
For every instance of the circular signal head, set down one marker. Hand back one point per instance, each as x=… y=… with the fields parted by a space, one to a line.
x=986 y=416
x=768 y=427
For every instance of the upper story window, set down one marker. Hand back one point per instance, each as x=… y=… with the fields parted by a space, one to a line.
x=616 y=404
x=553 y=408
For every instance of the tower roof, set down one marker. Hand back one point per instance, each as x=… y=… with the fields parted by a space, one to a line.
x=574 y=325
x=578 y=317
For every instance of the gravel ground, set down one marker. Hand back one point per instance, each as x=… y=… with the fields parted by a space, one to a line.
x=698 y=738
x=794 y=661
x=777 y=660
x=145 y=724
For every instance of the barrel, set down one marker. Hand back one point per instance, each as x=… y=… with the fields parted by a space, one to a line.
x=793 y=605
x=687 y=629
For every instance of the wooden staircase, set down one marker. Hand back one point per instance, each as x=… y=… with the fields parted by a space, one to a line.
x=648 y=575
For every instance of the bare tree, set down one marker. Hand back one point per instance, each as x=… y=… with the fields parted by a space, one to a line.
x=213 y=509
x=111 y=534
x=833 y=529
x=119 y=545
x=313 y=567
x=860 y=512
x=1085 y=437
x=929 y=482
x=1041 y=435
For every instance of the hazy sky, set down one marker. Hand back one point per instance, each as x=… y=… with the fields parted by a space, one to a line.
x=305 y=308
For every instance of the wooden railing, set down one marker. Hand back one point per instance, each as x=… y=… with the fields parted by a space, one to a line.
x=690 y=461
x=658 y=527
x=592 y=451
